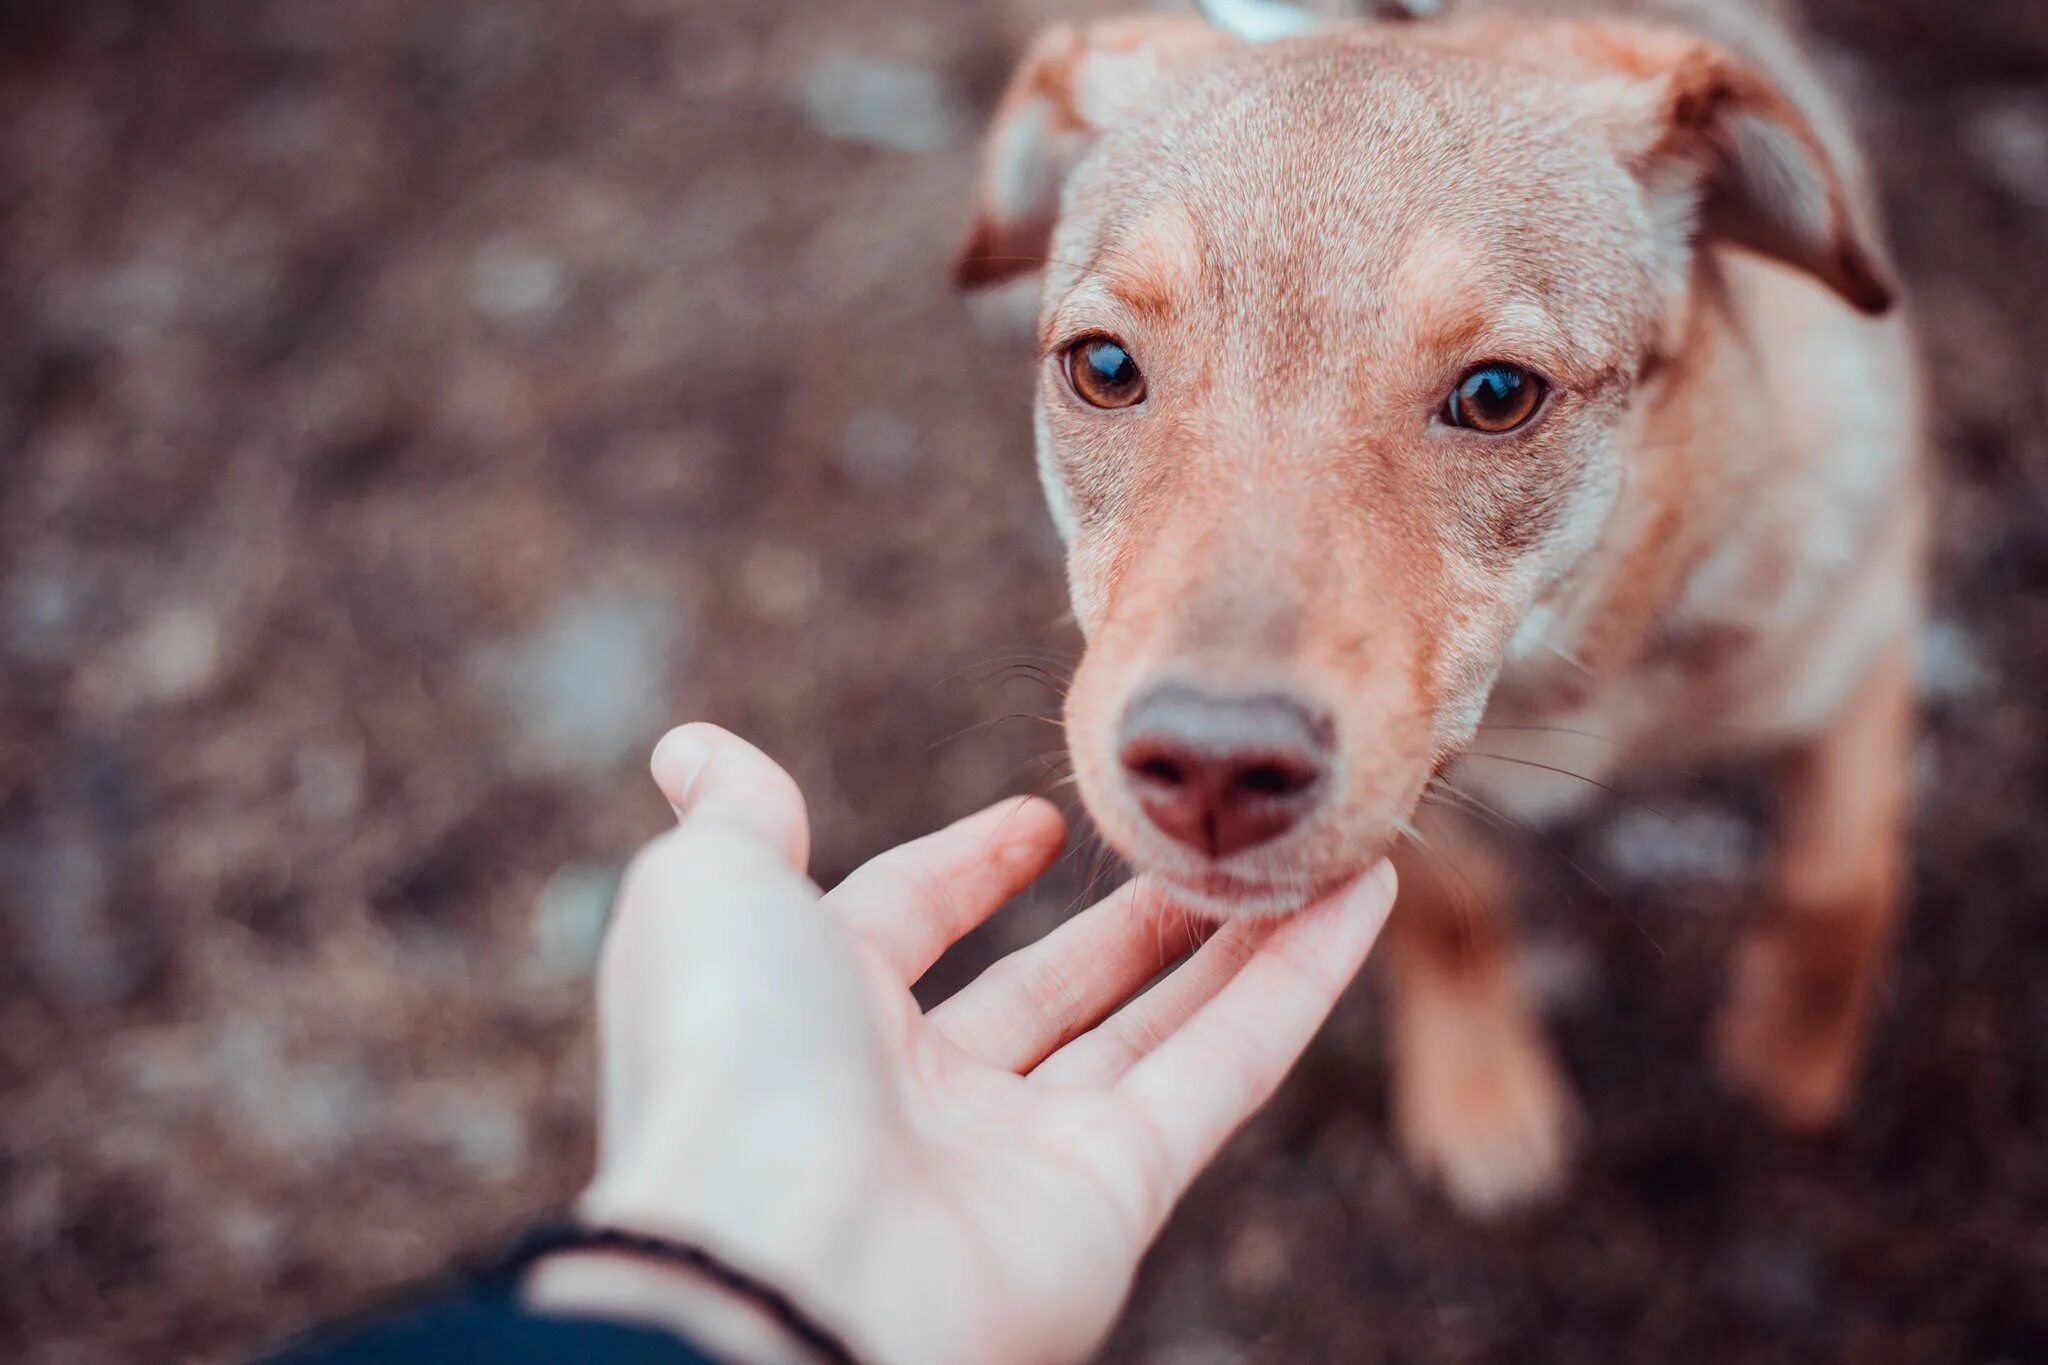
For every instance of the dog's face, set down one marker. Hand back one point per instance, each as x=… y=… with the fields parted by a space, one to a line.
x=1345 y=344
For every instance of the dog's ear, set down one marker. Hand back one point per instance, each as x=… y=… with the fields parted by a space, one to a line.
x=1075 y=82
x=1720 y=148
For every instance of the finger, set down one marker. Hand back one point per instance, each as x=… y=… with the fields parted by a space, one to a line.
x=1038 y=997
x=1200 y=1084
x=915 y=901
x=701 y=911
x=712 y=774
x=1106 y=1052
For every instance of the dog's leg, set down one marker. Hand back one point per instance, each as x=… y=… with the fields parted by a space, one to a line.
x=1791 y=1033
x=1478 y=1099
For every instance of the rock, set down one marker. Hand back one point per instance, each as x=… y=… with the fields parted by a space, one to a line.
x=1772 y=1281
x=1558 y=973
x=253 y=1237
x=132 y=302
x=877 y=104
x=172 y=657
x=780 y=582
x=307 y=1112
x=286 y=130
x=569 y=918
x=517 y=285
x=328 y=782
x=880 y=448
x=63 y=923
x=1263 y=21
x=32 y=1207
x=1950 y=666
x=1007 y=313
x=2007 y=135
x=1256 y=1260
x=588 y=685
x=295 y=30
x=485 y=1132
x=1689 y=843
x=42 y=615
x=62 y=870
x=1191 y=1349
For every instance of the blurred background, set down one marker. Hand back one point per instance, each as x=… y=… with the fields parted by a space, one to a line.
x=408 y=410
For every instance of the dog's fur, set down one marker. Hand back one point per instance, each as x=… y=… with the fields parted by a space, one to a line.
x=1708 y=544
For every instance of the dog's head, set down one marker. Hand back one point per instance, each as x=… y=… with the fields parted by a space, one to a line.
x=1346 y=342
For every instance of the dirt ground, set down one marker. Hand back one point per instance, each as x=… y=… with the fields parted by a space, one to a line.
x=406 y=410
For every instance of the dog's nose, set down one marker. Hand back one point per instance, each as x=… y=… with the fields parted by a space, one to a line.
x=1223 y=774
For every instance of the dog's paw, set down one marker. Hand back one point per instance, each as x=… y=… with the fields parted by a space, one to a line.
x=1787 y=1041
x=1493 y=1124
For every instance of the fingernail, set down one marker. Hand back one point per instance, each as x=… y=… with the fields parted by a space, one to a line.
x=1375 y=888
x=678 y=758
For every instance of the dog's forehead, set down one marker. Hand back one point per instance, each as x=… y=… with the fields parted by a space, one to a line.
x=1383 y=175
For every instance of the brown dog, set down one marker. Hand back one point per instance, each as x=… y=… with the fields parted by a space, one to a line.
x=1517 y=376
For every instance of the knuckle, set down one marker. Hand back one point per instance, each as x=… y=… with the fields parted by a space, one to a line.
x=1142 y=1034
x=920 y=886
x=1319 y=974
x=1049 y=994
x=1237 y=945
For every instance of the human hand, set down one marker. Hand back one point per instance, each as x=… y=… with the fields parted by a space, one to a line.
x=976 y=1183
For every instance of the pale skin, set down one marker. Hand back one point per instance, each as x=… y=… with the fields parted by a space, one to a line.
x=976 y=1182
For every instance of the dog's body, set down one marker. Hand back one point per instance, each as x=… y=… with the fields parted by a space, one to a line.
x=1702 y=543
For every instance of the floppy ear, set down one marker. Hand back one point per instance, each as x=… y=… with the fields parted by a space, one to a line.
x=1076 y=81
x=1719 y=145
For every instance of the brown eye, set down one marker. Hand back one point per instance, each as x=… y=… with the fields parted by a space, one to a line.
x=1103 y=373
x=1494 y=398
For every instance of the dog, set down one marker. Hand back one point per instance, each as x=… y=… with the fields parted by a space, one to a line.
x=1525 y=382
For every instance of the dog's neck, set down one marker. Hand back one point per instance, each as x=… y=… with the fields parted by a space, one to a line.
x=1691 y=472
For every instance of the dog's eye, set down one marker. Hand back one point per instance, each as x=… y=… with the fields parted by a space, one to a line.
x=1493 y=398
x=1102 y=372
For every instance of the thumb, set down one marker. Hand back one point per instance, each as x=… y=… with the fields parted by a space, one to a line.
x=713 y=775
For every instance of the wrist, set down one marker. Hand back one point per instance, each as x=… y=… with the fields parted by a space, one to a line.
x=786 y=1264
x=624 y=1287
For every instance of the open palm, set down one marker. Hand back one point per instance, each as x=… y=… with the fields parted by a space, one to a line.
x=973 y=1183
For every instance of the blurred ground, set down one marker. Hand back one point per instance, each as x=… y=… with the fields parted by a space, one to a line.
x=406 y=410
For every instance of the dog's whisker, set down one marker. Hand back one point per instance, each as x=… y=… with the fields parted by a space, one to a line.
x=1016 y=659
x=1463 y=800
x=1568 y=657
x=1609 y=740
x=1615 y=792
x=1449 y=872
x=1506 y=822
x=1504 y=728
x=1037 y=762
x=1076 y=850
x=988 y=724
x=1059 y=692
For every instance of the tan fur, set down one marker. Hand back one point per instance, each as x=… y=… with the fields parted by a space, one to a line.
x=1792 y=1029
x=1706 y=546
x=1478 y=1101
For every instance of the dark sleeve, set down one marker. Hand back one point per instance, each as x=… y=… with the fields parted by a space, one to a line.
x=485 y=1328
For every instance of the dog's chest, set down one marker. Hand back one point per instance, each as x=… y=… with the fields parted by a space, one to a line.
x=1755 y=652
